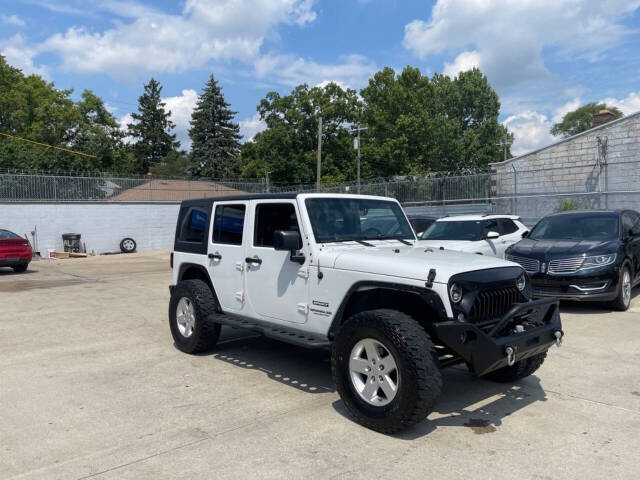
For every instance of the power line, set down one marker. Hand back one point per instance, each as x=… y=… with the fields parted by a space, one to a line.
x=48 y=146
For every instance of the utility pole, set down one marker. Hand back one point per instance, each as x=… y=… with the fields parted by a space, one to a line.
x=318 y=168
x=358 y=129
x=266 y=177
x=505 y=143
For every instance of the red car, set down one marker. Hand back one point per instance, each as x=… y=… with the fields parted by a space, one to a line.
x=15 y=251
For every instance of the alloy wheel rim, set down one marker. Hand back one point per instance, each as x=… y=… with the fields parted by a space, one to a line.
x=128 y=245
x=373 y=372
x=626 y=287
x=185 y=317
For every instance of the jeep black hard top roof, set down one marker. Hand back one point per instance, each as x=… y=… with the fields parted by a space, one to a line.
x=248 y=196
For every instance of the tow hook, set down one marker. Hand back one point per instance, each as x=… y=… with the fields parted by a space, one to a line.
x=559 y=336
x=511 y=355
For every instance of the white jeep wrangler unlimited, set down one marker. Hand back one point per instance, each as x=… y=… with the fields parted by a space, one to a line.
x=299 y=268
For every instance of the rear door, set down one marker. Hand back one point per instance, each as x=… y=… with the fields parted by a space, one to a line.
x=226 y=253
x=276 y=286
x=629 y=220
x=509 y=233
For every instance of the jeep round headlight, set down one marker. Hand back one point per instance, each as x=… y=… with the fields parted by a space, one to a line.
x=455 y=292
x=521 y=282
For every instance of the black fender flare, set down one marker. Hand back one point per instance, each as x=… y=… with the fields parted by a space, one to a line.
x=431 y=298
x=203 y=272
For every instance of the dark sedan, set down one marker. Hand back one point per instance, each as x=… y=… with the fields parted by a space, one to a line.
x=590 y=255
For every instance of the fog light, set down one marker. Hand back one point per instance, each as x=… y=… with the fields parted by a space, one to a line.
x=521 y=282
x=461 y=317
x=455 y=292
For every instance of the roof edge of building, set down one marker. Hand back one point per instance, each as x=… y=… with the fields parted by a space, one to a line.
x=559 y=142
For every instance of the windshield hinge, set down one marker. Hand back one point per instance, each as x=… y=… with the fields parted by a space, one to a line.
x=303 y=274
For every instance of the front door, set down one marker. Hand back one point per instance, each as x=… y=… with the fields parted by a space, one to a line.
x=226 y=253
x=276 y=286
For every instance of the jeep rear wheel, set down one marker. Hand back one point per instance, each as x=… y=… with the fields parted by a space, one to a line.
x=191 y=303
x=383 y=368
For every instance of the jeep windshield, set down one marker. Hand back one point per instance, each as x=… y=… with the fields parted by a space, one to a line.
x=357 y=219
x=467 y=230
x=572 y=227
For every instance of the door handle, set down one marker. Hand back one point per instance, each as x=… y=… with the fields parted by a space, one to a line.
x=215 y=256
x=255 y=259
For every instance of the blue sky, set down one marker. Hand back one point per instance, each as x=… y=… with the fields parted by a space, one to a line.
x=544 y=57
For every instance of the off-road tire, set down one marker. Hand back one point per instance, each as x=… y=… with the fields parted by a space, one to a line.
x=518 y=370
x=20 y=268
x=128 y=245
x=420 y=379
x=205 y=334
x=619 y=303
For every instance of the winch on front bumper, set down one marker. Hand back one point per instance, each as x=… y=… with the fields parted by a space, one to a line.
x=527 y=329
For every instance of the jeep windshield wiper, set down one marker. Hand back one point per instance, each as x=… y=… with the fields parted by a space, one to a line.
x=389 y=237
x=343 y=239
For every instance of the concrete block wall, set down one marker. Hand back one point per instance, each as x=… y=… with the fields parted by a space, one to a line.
x=102 y=225
x=570 y=167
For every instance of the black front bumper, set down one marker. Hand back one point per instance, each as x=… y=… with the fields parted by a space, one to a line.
x=486 y=350
x=596 y=285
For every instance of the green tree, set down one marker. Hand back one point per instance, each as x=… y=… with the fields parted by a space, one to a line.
x=151 y=128
x=287 y=148
x=215 y=137
x=580 y=120
x=419 y=125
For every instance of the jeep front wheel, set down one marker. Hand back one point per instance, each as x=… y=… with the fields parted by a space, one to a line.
x=383 y=368
x=191 y=303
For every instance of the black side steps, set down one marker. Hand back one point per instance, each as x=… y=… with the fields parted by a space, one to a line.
x=277 y=332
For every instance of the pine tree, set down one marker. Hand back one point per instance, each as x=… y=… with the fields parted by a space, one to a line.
x=215 y=146
x=152 y=128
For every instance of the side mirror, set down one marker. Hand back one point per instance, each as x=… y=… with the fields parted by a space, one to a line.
x=635 y=231
x=525 y=234
x=291 y=241
x=492 y=235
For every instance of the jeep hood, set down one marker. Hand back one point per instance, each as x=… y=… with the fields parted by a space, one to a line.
x=407 y=262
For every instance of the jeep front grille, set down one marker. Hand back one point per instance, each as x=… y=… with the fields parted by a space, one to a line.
x=565 y=265
x=492 y=304
x=531 y=265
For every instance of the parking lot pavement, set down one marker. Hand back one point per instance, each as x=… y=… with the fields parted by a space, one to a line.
x=91 y=386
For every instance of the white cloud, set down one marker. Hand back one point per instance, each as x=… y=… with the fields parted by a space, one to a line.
x=158 y=42
x=561 y=111
x=20 y=55
x=181 y=107
x=463 y=62
x=12 y=20
x=508 y=36
x=352 y=70
x=531 y=131
x=250 y=127
x=629 y=104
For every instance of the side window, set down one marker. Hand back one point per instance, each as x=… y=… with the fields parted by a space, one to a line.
x=271 y=217
x=507 y=226
x=228 y=224
x=193 y=224
x=490 y=226
x=629 y=219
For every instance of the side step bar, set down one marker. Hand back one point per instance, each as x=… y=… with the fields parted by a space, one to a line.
x=277 y=332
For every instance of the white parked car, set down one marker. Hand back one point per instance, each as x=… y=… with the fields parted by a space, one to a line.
x=313 y=270
x=483 y=234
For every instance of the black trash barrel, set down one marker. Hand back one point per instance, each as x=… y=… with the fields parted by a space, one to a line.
x=71 y=242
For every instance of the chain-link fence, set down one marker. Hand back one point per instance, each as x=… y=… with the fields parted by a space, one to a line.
x=528 y=193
